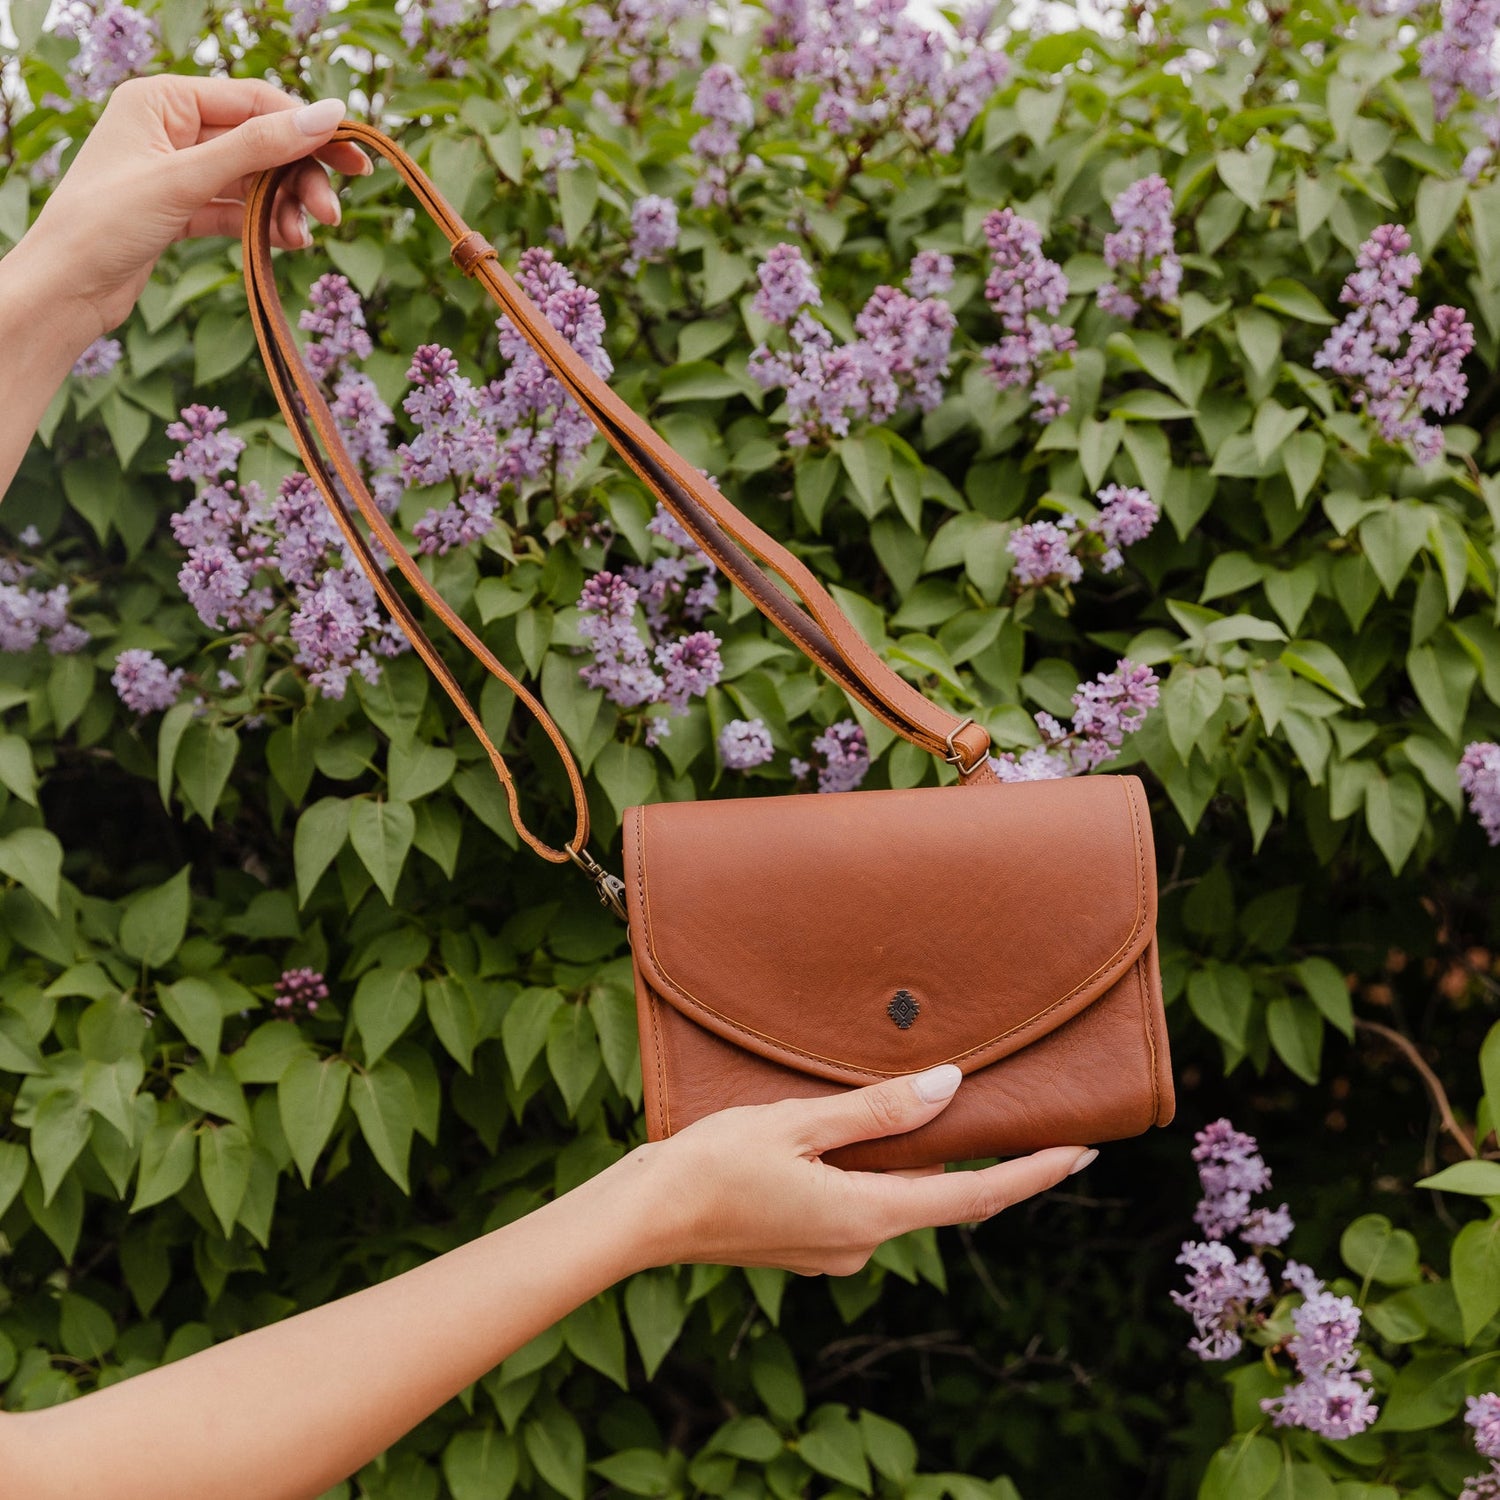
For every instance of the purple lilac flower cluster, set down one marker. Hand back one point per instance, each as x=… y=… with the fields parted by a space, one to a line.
x=1460 y=57
x=1104 y=712
x=307 y=16
x=722 y=99
x=1142 y=249
x=1026 y=289
x=1481 y=158
x=1398 y=387
x=874 y=69
x=897 y=361
x=1479 y=778
x=522 y=427
x=1226 y=1294
x=300 y=989
x=115 y=42
x=842 y=758
x=426 y=19
x=653 y=231
x=1052 y=552
x=30 y=616
x=674 y=591
x=247 y=555
x=647 y=35
x=144 y=683
x=98 y=359
x=745 y=744
x=1483 y=1415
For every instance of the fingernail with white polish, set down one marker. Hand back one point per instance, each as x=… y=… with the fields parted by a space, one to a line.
x=937 y=1083
x=338 y=213
x=319 y=118
x=1082 y=1162
x=306 y=233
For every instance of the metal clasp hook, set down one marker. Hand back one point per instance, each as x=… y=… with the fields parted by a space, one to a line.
x=610 y=887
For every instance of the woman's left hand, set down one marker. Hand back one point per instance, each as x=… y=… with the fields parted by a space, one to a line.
x=169 y=158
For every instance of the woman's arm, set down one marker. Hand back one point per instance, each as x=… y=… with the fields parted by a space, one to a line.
x=285 y=1412
x=169 y=159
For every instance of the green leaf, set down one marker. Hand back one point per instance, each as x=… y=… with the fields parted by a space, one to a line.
x=109 y=1089
x=381 y=833
x=867 y=462
x=1296 y=1030
x=454 y=1017
x=309 y=1099
x=1438 y=203
x=385 y=1004
x=59 y=1131
x=385 y=1104
x=1474 y=1179
x=554 y=1443
x=204 y=760
x=481 y=1465
x=167 y=1156
x=14 y=1160
x=174 y=724
x=17 y=773
x=572 y=1053
x=698 y=380
x=627 y=773
x=890 y=1447
x=87 y=1331
x=595 y=1334
x=655 y=1310
x=1396 y=813
x=1374 y=1249
x=1476 y=1275
x=1221 y=997
x=1189 y=699
x=224 y=1157
x=1443 y=675
x=1274 y=426
x=361 y=260
x=415 y=769
x=1247 y=174
x=194 y=1007
x=155 y=921
x=1245 y=1468
x=833 y=1448
x=1390 y=539
x=321 y=832
x=1321 y=664
x=1302 y=458
x=1292 y=298
x=1324 y=983
x=33 y=857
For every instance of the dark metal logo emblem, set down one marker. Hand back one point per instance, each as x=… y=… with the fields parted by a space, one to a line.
x=903 y=1010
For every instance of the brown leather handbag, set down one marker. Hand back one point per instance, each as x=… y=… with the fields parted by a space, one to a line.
x=798 y=945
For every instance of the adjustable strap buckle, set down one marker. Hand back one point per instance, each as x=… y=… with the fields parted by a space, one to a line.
x=611 y=888
x=955 y=756
x=470 y=250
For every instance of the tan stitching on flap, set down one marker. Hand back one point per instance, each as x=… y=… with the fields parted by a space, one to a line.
x=1145 y=979
x=838 y=1062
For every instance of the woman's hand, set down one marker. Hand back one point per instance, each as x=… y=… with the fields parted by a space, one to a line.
x=170 y=158
x=748 y=1186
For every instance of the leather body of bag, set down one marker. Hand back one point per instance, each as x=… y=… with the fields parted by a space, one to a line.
x=792 y=946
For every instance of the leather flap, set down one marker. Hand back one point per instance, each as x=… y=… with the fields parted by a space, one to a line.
x=807 y=928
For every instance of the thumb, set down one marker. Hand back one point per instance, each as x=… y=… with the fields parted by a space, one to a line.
x=261 y=142
x=888 y=1108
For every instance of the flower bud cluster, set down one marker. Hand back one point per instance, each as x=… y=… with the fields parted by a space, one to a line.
x=1026 y=290
x=1398 y=387
x=1141 y=249
x=897 y=361
x=1104 y=712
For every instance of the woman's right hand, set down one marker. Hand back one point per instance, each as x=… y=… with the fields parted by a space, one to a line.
x=748 y=1186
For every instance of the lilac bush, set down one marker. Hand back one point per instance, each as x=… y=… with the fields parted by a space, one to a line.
x=1104 y=712
x=745 y=744
x=1025 y=289
x=115 y=42
x=98 y=359
x=1479 y=778
x=1229 y=1295
x=300 y=990
x=1141 y=250
x=1397 y=387
x=897 y=360
x=1052 y=552
x=144 y=683
x=841 y=758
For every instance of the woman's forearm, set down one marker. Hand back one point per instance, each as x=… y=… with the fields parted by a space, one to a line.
x=43 y=330
x=285 y=1412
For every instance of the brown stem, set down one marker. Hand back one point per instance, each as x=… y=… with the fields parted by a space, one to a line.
x=1408 y=1049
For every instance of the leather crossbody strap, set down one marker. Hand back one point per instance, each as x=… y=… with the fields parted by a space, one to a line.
x=730 y=539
